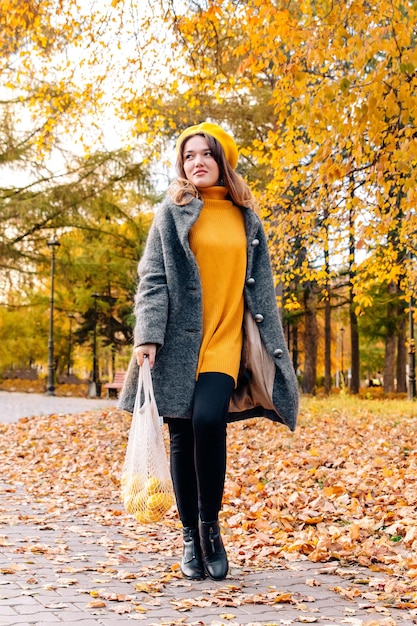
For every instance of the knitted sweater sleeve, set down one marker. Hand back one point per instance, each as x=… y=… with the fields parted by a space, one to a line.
x=151 y=301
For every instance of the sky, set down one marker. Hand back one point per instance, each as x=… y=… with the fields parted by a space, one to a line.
x=103 y=61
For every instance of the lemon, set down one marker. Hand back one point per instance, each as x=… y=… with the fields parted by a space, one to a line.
x=141 y=517
x=153 y=485
x=136 y=483
x=148 y=500
x=128 y=501
x=140 y=501
x=158 y=503
x=153 y=516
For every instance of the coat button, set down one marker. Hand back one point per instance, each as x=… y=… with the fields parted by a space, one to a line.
x=254 y=243
x=259 y=318
x=278 y=353
x=250 y=282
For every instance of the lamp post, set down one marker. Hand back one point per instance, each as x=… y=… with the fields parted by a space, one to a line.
x=70 y=317
x=411 y=354
x=342 y=332
x=50 y=387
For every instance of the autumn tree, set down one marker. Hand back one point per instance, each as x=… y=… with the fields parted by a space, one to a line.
x=55 y=117
x=334 y=85
x=59 y=176
x=98 y=254
x=320 y=98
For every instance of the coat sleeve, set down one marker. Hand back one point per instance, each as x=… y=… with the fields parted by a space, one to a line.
x=151 y=301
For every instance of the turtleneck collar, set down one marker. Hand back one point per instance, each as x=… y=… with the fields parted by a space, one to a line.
x=214 y=193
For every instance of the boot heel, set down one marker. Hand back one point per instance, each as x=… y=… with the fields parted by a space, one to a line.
x=213 y=553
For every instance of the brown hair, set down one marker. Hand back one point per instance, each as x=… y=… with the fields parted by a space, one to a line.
x=182 y=190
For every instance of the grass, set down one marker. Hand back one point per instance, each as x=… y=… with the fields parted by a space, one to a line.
x=345 y=403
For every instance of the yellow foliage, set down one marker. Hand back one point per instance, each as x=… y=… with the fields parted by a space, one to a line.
x=322 y=97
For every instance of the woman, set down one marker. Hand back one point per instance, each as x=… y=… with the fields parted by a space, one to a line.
x=207 y=320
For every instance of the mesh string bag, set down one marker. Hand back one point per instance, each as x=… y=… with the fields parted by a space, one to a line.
x=146 y=487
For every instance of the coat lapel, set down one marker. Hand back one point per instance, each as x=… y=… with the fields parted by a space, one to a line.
x=184 y=218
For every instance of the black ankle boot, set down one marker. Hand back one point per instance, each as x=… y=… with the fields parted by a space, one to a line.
x=191 y=563
x=213 y=552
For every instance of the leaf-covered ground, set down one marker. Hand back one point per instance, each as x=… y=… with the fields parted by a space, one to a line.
x=342 y=488
x=79 y=390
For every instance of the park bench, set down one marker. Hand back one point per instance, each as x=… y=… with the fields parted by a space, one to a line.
x=113 y=387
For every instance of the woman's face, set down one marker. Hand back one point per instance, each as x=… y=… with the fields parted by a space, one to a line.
x=200 y=167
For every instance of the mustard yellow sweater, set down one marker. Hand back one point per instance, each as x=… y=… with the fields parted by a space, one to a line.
x=218 y=241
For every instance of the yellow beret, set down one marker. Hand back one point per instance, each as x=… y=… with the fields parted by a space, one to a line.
x=225 y=140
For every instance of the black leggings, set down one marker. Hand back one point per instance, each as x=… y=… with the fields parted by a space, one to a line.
x=198 y=450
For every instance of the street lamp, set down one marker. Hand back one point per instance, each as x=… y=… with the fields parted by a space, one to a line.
x=50 y=387
x=342 y=332
x=70 y=317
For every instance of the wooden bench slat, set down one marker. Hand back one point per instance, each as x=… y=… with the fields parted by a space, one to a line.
x=118 y=380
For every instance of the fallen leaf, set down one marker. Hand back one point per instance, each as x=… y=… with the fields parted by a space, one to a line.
x=96 y=604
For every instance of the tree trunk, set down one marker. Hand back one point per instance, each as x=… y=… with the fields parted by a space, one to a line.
x=401 y=357
x=327 y=312
x=354 y=333
x=354 y=341
x=327 y=347
x=310 y=342
x=295 y=347
x=389 y=367
x=390 y=342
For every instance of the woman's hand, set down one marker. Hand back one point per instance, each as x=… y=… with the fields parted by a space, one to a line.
x=146 y=350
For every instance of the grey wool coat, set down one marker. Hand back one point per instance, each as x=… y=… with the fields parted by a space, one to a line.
x=168 y=309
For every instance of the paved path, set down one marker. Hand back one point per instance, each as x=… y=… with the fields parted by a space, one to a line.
x=68 y=567
x=72 y=570
x=15 y=405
